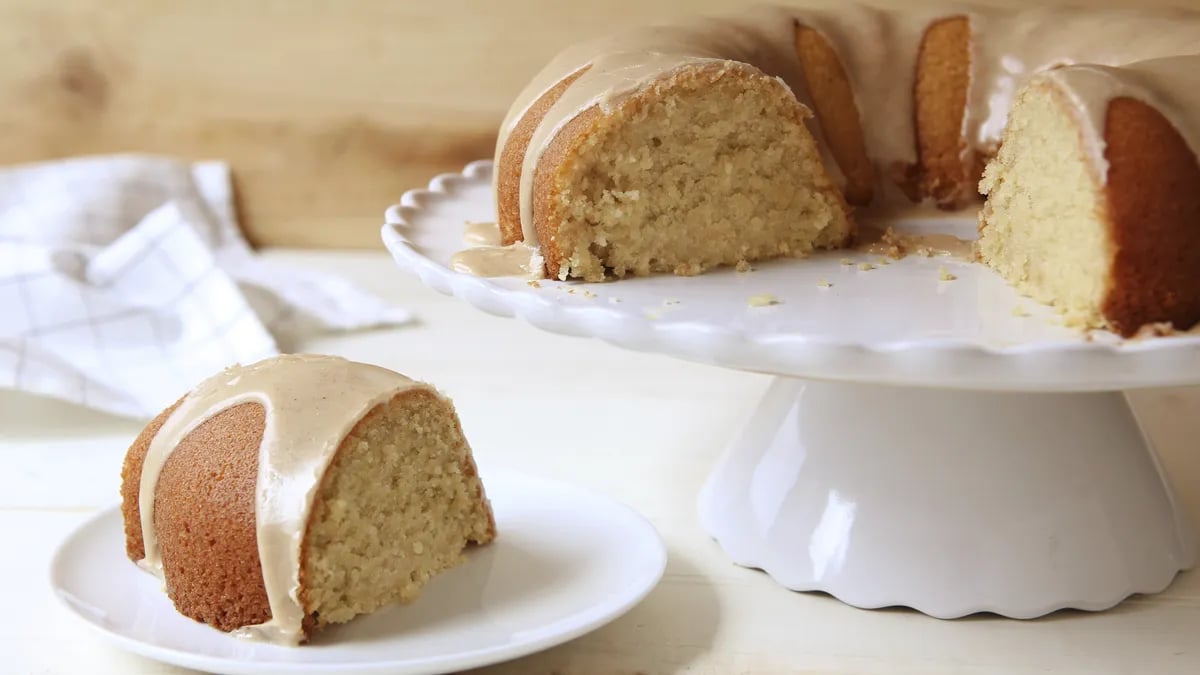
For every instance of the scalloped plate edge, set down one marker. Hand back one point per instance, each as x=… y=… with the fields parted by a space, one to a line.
x=1158 y=360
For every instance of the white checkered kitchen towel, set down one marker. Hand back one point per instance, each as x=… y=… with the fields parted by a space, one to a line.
x=124 y=281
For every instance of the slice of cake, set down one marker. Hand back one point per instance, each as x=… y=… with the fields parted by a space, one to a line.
x=709 y=165
x=1093 y=201
x=301 y=491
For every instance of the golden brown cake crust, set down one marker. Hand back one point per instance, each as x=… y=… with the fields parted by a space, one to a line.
x=512 y=158
x=204 y=515
x=1154 y=208
x=947 y=171
x=131 y=476
x=558 y=153
x=836 y=109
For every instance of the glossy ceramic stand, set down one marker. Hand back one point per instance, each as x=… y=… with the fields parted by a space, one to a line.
x=948 y=502
x=948 y=499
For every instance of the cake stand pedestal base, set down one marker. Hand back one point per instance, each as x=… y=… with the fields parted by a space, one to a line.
x=948 y=502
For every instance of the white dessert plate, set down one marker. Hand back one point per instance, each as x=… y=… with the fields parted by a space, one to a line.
x=566 y=562
x=901 y=323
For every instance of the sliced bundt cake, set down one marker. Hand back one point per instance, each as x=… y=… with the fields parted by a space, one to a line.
x=720 y=140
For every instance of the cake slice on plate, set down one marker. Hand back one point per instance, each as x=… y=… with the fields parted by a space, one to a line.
x=301 y=491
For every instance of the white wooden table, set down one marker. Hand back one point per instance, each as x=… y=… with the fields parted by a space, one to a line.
x=664 y=422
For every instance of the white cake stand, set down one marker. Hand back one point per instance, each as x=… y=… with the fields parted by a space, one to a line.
x=939 y=444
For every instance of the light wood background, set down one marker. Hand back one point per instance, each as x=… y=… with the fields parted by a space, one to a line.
x=327 y=111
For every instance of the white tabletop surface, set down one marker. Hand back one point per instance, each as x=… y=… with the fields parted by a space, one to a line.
x=644 y=428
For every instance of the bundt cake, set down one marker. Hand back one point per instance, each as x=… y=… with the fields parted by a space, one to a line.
x=301 y=491
x=719 y=141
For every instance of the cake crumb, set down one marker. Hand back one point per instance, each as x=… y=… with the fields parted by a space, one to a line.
x=614 y=300
x=670 y=301
x=891 y=244
x=846 y=261
x=571 y=291
x=944 y=274
x=823 y=283
x=763 y=300
x=533 y=283
x=588 y=294
x=1019 y=311
x=884 y=261
x=653 y=314
x=744 y=266
x=866 y=267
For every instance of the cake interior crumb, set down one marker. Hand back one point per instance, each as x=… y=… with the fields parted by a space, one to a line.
x=763 y=300
x=756 y=186
x=1038 y=227
x=399 y=506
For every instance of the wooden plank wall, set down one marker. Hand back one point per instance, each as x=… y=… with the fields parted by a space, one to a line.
x=327 y=111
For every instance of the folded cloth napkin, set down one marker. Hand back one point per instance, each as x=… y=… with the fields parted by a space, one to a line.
x=124 y=281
